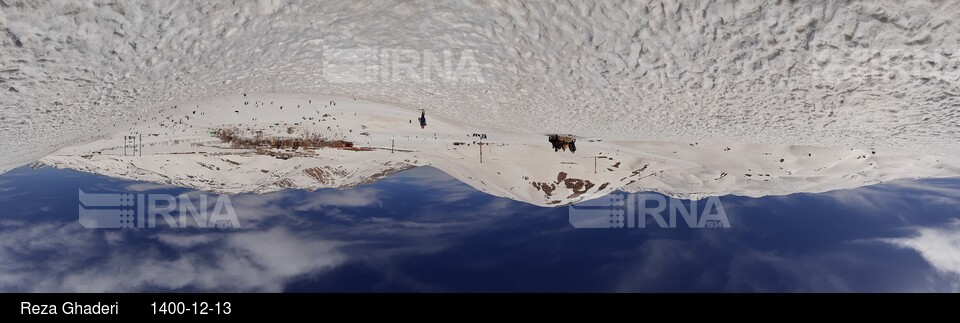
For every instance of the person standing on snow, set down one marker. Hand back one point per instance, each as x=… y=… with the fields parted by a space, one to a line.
x=423 y=119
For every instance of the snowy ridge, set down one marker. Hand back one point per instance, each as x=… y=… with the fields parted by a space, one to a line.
x=180 y=147
x=870 y=74
x=234 y=174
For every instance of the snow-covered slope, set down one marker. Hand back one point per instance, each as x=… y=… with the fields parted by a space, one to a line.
x=179 y=148
x=880 y=74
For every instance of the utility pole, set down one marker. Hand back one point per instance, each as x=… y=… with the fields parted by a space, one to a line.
x=594 y=163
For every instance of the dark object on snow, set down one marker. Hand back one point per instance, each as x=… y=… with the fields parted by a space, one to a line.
x=563 y=143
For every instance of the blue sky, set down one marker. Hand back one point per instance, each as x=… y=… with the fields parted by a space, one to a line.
x=422 y=230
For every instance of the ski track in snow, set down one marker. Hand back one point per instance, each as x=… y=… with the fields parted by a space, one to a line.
x=822 y=73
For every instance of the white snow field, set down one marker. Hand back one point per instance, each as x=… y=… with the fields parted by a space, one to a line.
x=752 y=75
x=180 y=147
